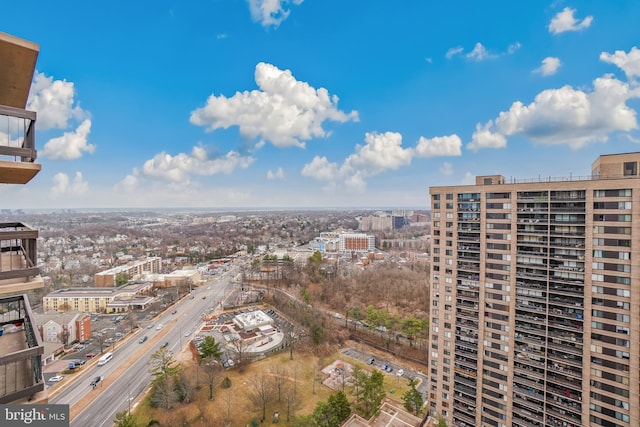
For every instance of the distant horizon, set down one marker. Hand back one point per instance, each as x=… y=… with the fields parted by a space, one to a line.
x=216 y=209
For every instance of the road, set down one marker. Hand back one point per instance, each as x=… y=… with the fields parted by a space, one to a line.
x=127 y=375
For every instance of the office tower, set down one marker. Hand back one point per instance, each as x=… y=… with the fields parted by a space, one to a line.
x=21 y=347
x=535 y=299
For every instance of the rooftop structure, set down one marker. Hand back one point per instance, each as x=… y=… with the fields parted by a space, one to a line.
x=252 y=320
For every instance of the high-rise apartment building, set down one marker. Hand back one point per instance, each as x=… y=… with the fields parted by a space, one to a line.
x=535 y=305
x=21 y=347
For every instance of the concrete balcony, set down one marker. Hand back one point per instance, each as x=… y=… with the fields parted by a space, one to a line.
x=18 y=255
x=17 y=151
x=21 y=350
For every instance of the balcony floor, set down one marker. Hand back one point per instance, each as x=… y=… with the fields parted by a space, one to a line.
x=18 y=172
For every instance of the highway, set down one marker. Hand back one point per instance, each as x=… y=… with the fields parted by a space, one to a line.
x=126 y=376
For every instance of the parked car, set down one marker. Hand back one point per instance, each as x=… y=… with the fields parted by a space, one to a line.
x=90 y=355
x=56 y=379
x=400 y=372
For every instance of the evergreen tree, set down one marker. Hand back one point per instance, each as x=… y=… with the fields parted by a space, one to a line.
x=413 y=398
x=332 y=412
x=368 y=391
x=210 y=348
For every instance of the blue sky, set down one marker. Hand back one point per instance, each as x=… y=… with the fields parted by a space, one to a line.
x=309 y=103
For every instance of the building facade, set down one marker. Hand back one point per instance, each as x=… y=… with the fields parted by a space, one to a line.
x=100 y=300
x=535 y=300
x=131 y=270
x=21 y=352
x=357 y=242
x=64 y=328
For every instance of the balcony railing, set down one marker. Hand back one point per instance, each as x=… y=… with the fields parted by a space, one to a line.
x=18 y=252
x=20 y=366
x=18 y=151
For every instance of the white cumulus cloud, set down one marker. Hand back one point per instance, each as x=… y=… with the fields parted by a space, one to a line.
x=321 y=169
x=54 y=102
x=71 y=145
x=565 y=21
x=285 y=111
x=278 y=174
x=549 y=66
x=271 y=12
x=381 y=152
x=627 y=62
x=63 y=186
x=483 y=137
x=439 y=146
x=179 y=168
x=565 y=116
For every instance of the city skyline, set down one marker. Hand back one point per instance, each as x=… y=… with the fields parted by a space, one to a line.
x=302 y=104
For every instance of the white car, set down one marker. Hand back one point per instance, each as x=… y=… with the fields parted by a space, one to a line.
x=158 y=327
x=400 y=372
x=56 y=379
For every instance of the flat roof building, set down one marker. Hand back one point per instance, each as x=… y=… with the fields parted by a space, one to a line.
x=535 y=299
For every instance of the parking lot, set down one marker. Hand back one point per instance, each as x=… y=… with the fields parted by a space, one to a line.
x=384 y=364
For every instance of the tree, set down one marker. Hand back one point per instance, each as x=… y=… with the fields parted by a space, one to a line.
x=413 y=398
x=239 y=347
x=185 y=391
x=163 y=394
x=211 y=370
x=125 y=419
x=100 y=339
x=442 y=422
x=163 y=365
x=333 y=412
x=210 y=348
x=131 y=319
x=370 y=393
x=261 y=392
x=279 y=375
x=291 y=394
x=121 y=279
x=411 y=326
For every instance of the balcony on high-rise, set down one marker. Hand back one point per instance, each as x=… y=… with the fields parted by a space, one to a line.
x=21 y=348
x=17 y=138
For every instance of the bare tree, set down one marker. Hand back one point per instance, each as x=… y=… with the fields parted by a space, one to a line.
x=184 y=388
x=131 y=318
x=291 y=397
x=261 y=392
x=100 y=340
x=163 y=395
x=279 y=375
x=239 y=348
x=210 y=373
